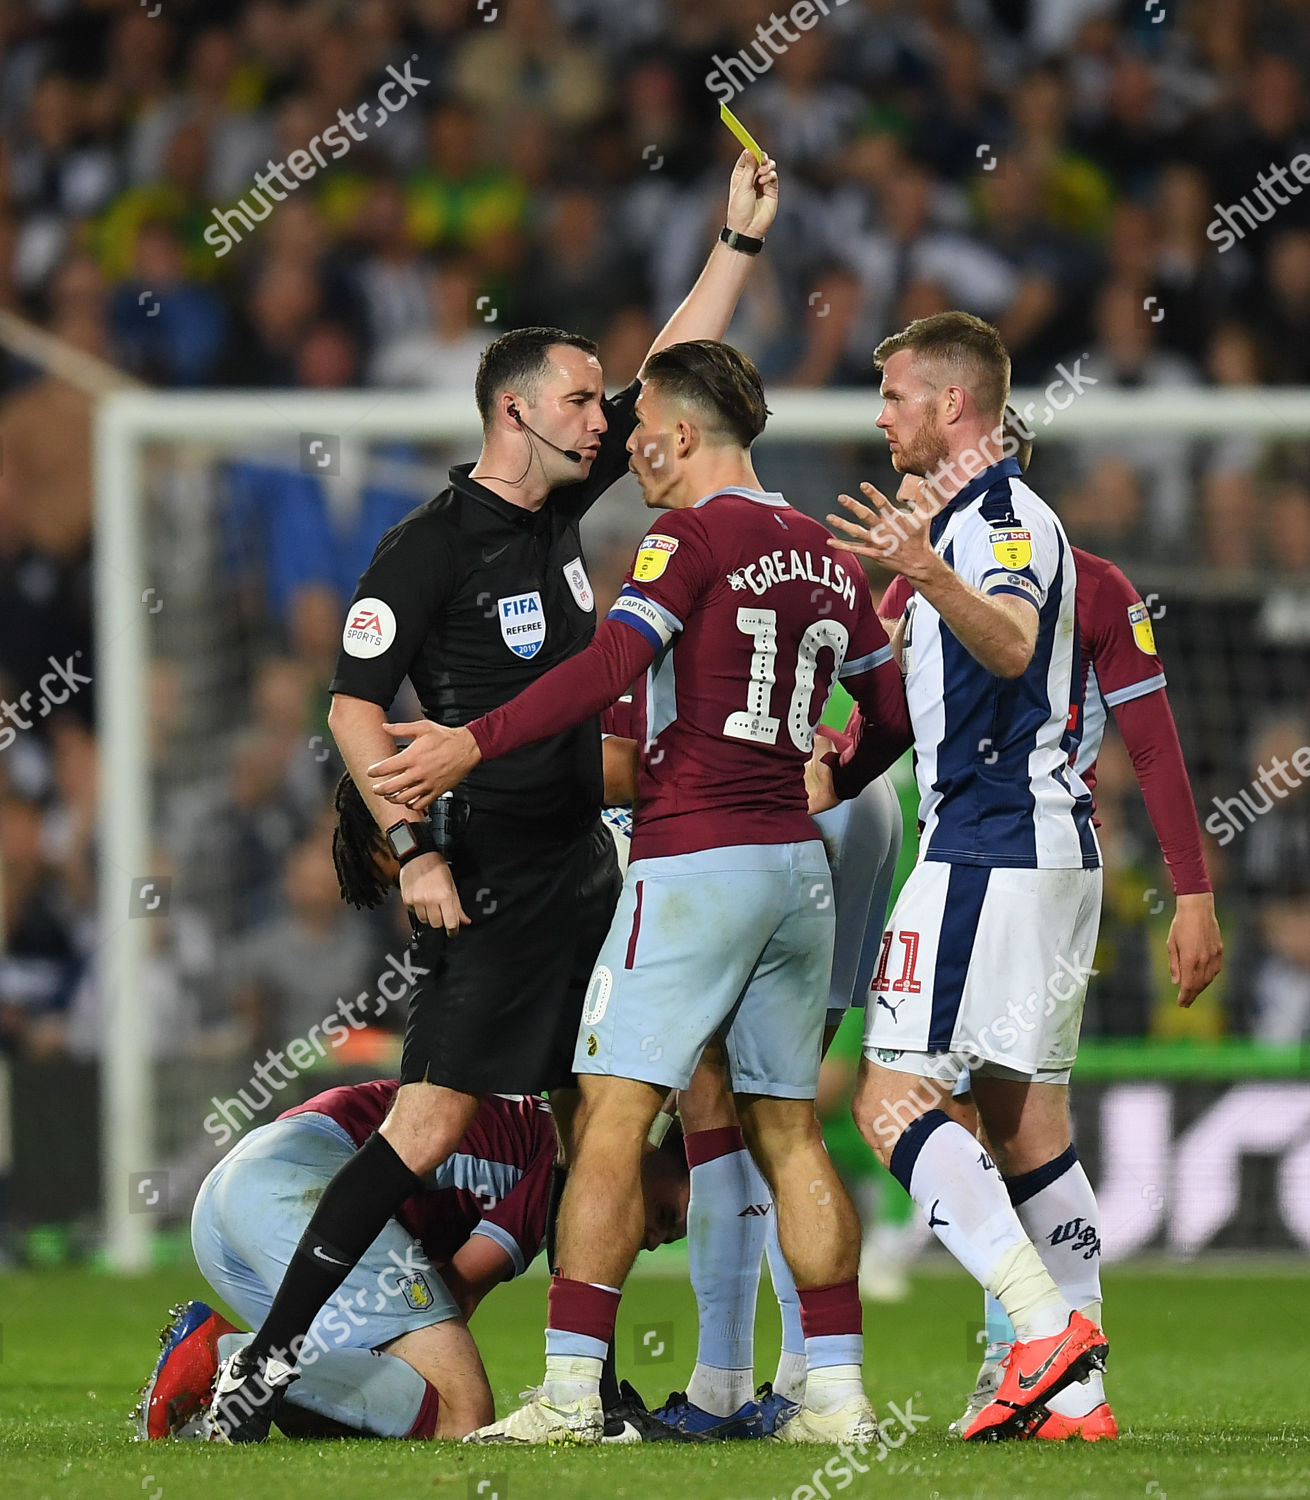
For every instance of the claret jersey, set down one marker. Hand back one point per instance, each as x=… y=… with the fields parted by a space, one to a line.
x=496 y=1182
x=741 y=617
x=752 y=618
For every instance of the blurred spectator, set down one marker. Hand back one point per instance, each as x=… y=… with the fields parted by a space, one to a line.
x=267 y=334
x=393 y=277
x=55 y=177
x=215 y=92
x=460 y=199
x=906 y=245
x=445 y=355
x=529 y=59
x=1282 y=981
x=1126 y=355
x=578 y=275
x=1274 y=829
x=39 y=960
x=1284 y=322
x=167 y=330
x=289 y=974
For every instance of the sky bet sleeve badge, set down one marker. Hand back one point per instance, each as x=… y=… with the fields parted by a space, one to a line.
x=1139 y=617
x=653 y=557
x=1012 y=548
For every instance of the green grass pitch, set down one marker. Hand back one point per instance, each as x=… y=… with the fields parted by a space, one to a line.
x=1209 y=1377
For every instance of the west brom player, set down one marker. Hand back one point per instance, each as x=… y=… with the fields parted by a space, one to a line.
x=472 y=596
x=1121 y=674
x=725 y=922
x=985 y=962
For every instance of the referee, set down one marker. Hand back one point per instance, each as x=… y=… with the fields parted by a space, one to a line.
x=473 y=596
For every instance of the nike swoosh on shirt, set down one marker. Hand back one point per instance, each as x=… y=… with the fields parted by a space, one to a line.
x=490 y=557
x=1026 y=1382
x=331 y=1259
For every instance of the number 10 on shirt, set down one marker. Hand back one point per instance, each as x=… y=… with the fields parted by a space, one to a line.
x=755 y=722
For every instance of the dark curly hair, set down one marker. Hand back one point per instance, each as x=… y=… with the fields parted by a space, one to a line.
x=358 y=845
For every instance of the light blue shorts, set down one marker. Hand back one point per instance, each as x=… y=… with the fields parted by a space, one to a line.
x=251 y=1211
x=863 y=839
x=734 y=942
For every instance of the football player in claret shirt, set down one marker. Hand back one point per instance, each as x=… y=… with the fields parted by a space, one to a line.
x=1122 y=673
x=391 y=1354
x=741 y=618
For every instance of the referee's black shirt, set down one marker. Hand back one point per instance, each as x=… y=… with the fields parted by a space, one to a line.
x=473 y=598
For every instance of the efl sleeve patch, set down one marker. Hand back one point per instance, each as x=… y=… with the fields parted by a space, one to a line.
x=1019 y=584
x=1139 y=617
x=1012 y=546
x=653 y=557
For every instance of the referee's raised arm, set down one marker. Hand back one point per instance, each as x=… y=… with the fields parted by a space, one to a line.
x=707 y=309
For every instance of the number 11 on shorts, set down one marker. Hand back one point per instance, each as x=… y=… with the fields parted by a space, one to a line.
x=907 y=984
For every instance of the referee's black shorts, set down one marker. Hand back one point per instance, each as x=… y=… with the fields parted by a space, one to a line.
x=498 y=1010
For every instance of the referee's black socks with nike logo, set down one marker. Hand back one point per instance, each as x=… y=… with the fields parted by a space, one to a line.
x=352 y=1212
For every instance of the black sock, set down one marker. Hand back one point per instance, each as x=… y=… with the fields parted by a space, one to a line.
x=352 y=1212
x=609 y=1380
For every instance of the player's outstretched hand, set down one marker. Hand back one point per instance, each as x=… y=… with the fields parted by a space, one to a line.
x=437 y=760
x=428 y=888
x=1195 y=946
x=893 y=535
x=753 y=196
x=818 y=773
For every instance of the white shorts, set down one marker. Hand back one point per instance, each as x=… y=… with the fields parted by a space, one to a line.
x=985 y=969
x=735 y=942
x=862 y=837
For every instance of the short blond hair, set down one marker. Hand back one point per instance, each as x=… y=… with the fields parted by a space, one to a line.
x=968 y=346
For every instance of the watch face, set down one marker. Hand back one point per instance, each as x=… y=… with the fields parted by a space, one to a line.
x=403 y=840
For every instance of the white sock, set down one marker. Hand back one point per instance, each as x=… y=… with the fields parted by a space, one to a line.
x=570 y=1377
x=1057 y=1209
x=952 y=1179
x=728 y=1217
x=722 y=1392
x=789 y=1381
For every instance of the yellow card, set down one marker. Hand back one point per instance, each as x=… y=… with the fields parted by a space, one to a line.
x=740 y=131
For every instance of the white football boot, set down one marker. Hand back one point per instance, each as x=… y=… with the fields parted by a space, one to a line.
x=853 y=1422
x=540 y=1421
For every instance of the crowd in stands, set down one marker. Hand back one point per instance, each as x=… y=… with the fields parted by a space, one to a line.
x=1054 y=165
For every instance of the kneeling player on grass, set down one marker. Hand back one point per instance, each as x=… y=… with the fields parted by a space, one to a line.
x=725 y=924
x=391 y=1354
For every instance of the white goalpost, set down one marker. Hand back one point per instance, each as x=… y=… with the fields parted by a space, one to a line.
x=128 y=421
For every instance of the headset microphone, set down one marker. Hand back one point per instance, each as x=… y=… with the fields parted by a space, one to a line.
x=572 y=454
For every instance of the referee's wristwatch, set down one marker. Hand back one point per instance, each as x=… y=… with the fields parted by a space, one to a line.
x=409 y=840
x=746 y=243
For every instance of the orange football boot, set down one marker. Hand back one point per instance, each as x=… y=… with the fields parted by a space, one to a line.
x=1034 y=1371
